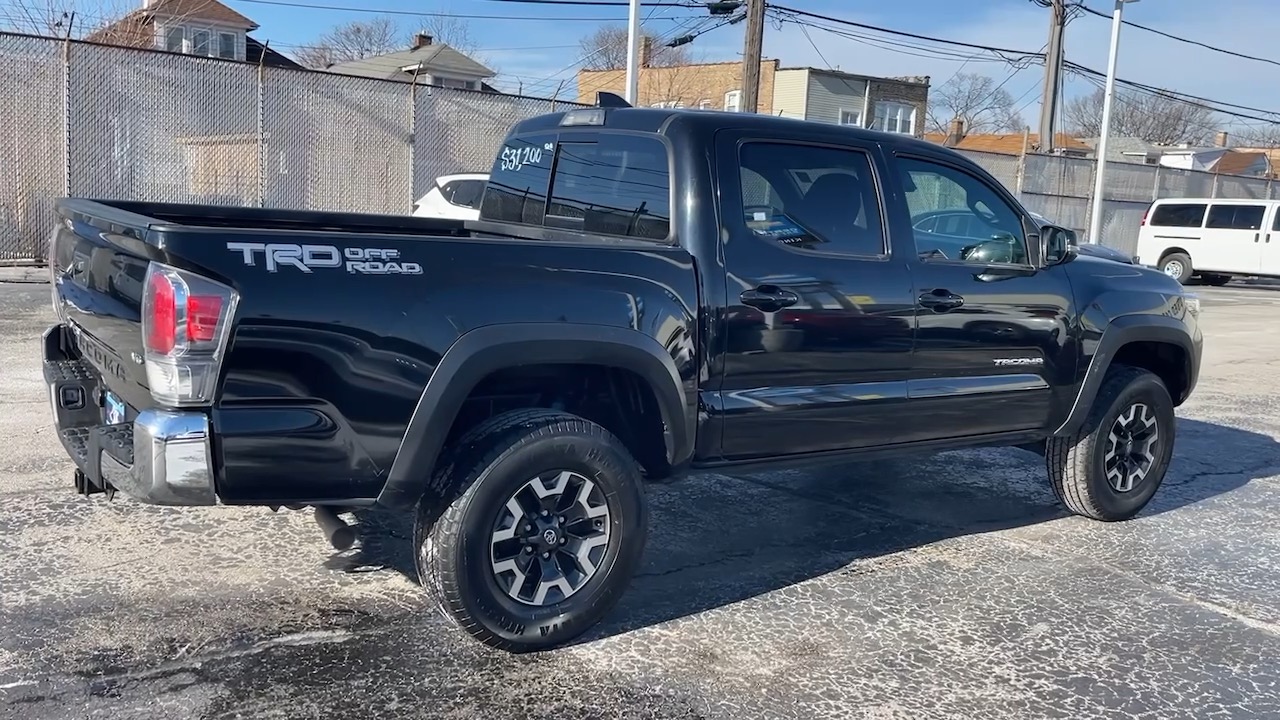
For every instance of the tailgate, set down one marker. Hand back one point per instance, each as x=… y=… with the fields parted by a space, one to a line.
x=97 y=263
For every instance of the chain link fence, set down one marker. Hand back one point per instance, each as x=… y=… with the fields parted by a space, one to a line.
x=88 y=120
x=1061 y=189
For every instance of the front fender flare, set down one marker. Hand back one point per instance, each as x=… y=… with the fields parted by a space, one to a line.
x=1120 y=332
x=484 y=350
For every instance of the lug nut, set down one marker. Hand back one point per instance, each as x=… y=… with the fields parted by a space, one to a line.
x=560 y=519
x=527 y=528
x=546 y=513
x=564 y=540
x=528 y=549
x=546 y=556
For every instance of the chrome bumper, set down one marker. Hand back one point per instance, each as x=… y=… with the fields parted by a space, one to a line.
x=162 y=457
x=171 y=460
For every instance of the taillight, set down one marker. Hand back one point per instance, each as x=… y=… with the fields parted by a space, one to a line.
x=186 y=323
x=1144 y=216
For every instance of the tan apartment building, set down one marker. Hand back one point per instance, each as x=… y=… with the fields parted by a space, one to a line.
x=830 y=96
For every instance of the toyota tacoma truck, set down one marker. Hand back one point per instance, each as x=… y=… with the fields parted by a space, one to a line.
x=646 y=293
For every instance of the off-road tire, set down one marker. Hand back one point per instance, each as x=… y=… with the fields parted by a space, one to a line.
x=472 y=483
x=1076 y=463
x=1184 y=261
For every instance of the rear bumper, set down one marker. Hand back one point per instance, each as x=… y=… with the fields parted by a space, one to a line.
x=161 y=457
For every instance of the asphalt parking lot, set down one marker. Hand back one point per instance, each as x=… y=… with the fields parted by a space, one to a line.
x=949 y=586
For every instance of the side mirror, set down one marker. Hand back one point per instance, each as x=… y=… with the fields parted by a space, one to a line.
x=1056 y=244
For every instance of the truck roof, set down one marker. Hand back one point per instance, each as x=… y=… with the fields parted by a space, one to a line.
x=657 y=120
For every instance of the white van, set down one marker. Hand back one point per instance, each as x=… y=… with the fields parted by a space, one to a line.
x=1211 y=238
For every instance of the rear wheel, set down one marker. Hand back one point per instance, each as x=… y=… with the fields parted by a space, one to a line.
x=541 y=532
x=1111 y=468
x=1177 y=266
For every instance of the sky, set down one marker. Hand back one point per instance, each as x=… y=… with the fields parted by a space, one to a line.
x=536 y=49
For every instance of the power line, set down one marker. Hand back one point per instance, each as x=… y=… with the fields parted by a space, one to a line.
x=1178 y=38
x=598 y=3
x=1210 y=103
x=412 y=13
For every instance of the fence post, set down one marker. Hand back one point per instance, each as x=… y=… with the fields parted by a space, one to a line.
x=1155 y=187
x=1214 y=192
x=262 y=129
x=1021 y=172
x=66 y=116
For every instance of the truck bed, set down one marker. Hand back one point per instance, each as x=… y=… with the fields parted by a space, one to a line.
x=340 y=320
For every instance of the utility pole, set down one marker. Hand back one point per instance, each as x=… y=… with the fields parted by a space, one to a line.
x=752 y=50
x=1108 y=98
x=1052 y=75
x=633 y=52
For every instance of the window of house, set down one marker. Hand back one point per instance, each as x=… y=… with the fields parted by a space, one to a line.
x=704 y=104
x=668 y=104
x=616 y=185
x=851 y=117
x=227 y=46
x=451 y=82
x=895 y=118
x=1235 y=217
x=733 y=101
x=174 y=36
x=811 y=198
x=956 y=216
x=200 y=42
x=1179 y=215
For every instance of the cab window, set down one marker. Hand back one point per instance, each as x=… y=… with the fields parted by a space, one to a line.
x=956 y=216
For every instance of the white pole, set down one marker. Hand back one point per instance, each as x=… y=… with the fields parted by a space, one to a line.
x=1108 y=98
x=633 y=52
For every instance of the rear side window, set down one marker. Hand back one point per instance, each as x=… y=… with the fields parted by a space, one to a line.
x=1235 y=217
x=604 y=184
x=463 y=193
x=1178 y=215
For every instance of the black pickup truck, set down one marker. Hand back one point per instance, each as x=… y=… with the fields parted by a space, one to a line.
x=646 y=293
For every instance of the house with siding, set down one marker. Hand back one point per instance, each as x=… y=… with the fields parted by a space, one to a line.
x=830 y=96
x=204 y=28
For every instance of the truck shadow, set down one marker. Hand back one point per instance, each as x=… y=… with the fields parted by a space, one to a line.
x=716 y=539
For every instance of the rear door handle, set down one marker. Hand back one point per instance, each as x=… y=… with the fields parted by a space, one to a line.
x=769 y=298
x=941 y=300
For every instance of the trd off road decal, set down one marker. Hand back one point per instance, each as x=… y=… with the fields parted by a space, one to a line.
x=356 y=260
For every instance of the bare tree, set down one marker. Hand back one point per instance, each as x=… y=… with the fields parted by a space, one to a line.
x=452 y=31
x=353 y=41
x=606 y=49
x=1265 y=136
x=1155 y=118
x=983 y=105
x=76 y=18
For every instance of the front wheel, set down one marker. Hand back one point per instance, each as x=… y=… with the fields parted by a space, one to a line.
x=539 y=533
x=1111 y=468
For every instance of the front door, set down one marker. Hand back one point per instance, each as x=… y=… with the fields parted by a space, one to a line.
x=992 y=330
x=818 y=319
x=1269 y=257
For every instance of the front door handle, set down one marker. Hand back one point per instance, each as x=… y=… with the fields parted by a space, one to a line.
x=769 y=298
x=941 y=300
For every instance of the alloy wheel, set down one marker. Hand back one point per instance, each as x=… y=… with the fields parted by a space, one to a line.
x=550 y=538
x=1131 y=447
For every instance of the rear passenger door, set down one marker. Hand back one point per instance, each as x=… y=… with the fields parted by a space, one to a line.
x=1232 y=238
x=817 y=320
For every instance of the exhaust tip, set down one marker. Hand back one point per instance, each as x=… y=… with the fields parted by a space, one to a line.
x=340 y=535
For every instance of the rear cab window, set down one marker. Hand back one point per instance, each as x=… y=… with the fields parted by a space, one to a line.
x=601 y=183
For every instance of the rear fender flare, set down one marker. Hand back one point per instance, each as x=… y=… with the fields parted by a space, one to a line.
x=1120 y=332
x=484 y=350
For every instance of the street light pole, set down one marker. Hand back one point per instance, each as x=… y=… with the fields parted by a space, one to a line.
x=1108 y=99
x=633 y=52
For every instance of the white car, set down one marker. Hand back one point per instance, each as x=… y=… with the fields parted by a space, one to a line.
x=456 y=197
